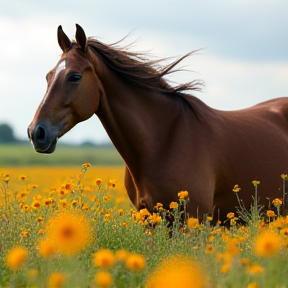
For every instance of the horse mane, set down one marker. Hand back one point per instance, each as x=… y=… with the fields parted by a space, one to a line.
x=136 y=68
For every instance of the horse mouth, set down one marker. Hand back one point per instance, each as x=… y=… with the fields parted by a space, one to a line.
x=45 y=147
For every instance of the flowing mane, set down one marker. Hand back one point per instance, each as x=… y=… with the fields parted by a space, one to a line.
x=136 y=68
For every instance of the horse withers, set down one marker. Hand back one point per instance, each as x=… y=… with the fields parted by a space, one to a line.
x=169 y=139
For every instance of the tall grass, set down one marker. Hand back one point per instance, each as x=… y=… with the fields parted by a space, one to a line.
x=84 y=233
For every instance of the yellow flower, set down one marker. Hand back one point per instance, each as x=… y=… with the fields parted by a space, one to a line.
x=192 y=222
x=267 y=244
x=86 y=165
x=255 y=269
x=41 y=232
x=183 y=194
x=283 y=176
x=16 y=257
x=173 y=205
x=46 y=248
x=99 y=181
x=22 y=177
x=36 y=204
x=103 y=279
x=270 y=213
x=209 y=249
x=177 y=271
x=135 y=262
x=104 y=258
x=70 y=233
x=230 y=215
x=255 y=182
x=121 y=255
x=277 y=202
x=25 y=234
x=112 y=183
x=120 y=212
x=236 y=188
x=284 y=232
x=40 y=219
x=56 y=280
x=158 y=206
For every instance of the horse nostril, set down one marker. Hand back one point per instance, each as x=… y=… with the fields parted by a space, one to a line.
x=40 y=133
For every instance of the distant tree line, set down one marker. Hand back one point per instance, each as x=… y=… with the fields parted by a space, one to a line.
x=7 y=134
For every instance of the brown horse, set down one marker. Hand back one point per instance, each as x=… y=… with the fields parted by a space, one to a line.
x=169 y=140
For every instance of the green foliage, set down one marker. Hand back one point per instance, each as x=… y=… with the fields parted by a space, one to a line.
x=24 y=155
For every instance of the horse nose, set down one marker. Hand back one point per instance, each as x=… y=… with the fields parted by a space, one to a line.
x=38 y=134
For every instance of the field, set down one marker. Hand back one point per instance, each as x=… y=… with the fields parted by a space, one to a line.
x=75 y=227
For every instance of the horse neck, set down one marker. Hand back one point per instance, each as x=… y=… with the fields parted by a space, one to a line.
x=135 y=119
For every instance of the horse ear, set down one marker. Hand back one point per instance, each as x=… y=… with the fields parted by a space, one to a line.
x=63 y=40
x=81 y=37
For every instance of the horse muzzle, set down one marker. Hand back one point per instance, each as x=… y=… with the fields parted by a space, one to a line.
x=43 y=137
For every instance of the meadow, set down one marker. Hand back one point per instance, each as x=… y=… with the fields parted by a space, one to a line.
x=75 y=227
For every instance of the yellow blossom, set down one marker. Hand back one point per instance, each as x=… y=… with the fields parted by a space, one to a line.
x=209 y=249
x=192 y=222
x=22 y=177
x=71 y=233
x=277 y=202
x=121 y=255
x=56 y=280
x=135 y=262
x=270 y=213
x=103 y=279
x=183 y=194
x=104 y=258
x=230 y=215
x=86 y=165
x=173 y=205
x=253 y=285
x=16 y=257
x=255 y=182
x=177 y=271
x=46 y=248
x=267 y=243
x=284 y=232
x=255 y=269
x=236 y=188
x=120 y=212
x=112 y=183
x=99 y=181
x=283 y=176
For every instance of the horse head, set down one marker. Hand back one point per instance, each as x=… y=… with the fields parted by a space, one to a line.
x=72 y=95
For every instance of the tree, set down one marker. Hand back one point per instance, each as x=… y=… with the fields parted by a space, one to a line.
x=6 y=134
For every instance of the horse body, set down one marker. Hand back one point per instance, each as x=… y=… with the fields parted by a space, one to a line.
x=169 y=141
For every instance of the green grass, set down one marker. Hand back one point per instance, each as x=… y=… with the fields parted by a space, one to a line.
x=25 y=155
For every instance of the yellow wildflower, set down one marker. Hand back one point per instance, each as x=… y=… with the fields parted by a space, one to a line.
x=270 y=213
x=103 y=279
x=236 y=188
x=99 y=181
x=209 y=249
x=183 y=194
x=70 y=233
x=284 y=232
x=25 y=234
x=121 y=255
x=177 y=271
x=86 y=165
x=283 y=176
x=22 y=177
x=253 y=285
x=135 y=262
x=112 y=183
x=267 y=243
x=104 y=258
x=120 y=212
x=192 y=222
x=255 y=182
x=230 y=215
x=46 y=248
x=255 y=269
x=173 y=205
x=16 y=257
x=56 y=280
x=277 y=202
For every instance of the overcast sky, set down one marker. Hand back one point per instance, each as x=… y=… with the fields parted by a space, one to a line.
x=244 y=59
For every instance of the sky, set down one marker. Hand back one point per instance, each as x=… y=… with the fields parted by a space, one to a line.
x=243 y=58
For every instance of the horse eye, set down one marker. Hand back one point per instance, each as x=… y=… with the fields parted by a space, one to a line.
x=75 y=77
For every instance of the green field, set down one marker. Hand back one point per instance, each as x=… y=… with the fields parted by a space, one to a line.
x=24 y=155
